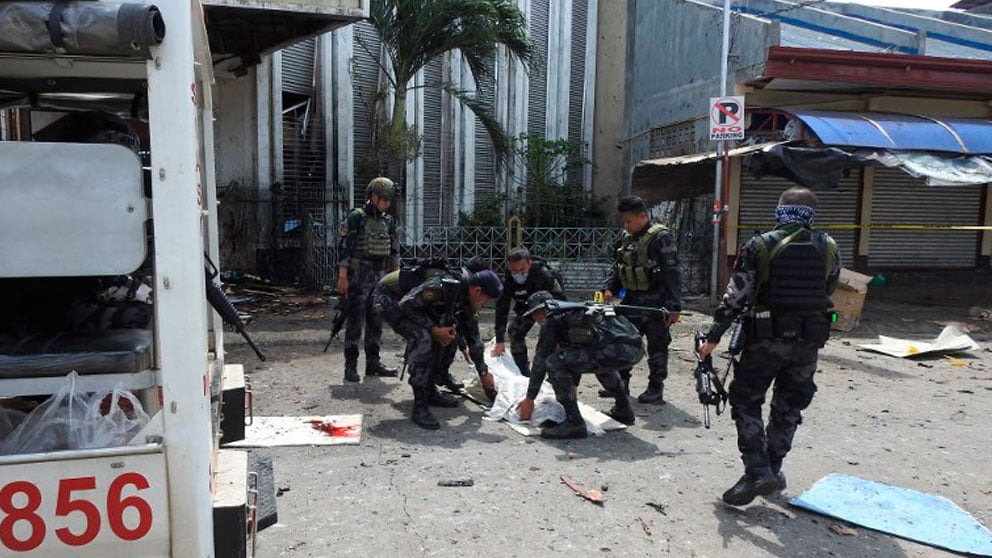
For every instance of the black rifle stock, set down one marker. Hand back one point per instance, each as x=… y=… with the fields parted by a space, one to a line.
x=337 y=322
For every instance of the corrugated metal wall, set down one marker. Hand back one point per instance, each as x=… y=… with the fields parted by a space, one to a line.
x=365 y=77
x=485 y=162
x=434 y=204
x=835 y=207
x=902 y=199
x=580 y=9
x=538 y=85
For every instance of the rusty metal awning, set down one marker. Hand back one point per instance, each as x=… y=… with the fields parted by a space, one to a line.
x=673 y=178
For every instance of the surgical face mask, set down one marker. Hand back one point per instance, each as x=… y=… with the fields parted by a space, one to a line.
x=519 y=278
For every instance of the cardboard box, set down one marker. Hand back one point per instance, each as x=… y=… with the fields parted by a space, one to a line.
x=849 y=299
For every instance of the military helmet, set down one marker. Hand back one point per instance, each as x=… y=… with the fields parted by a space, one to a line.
x=536 y=301
x=382 y=187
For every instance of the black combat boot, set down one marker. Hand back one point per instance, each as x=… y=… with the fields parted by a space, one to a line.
x=657 y=372
x=437 y=399
x=422 y=415
x=776 y=467
x=444 y=379
x=622 y=411
x=375 y=368
x=351 y=365
x=573 y=427
x=758 y=480
x=654 y=395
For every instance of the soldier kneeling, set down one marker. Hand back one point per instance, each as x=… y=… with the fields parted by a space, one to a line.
x=577 y=339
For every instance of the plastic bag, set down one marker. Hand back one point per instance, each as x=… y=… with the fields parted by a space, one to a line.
x=9 y=419
x=70 y=419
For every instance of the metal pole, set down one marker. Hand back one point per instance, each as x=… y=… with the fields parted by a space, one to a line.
x=721 y=149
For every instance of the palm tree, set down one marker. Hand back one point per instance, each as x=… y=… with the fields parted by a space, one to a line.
x=415 y=32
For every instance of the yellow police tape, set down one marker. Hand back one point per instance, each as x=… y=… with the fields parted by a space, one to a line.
x=766 y=226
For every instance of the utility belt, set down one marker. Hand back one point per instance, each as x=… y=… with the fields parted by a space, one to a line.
x=812 y=328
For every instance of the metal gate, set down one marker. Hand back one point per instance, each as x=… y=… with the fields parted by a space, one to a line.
x=836 y=212
x=900 y=199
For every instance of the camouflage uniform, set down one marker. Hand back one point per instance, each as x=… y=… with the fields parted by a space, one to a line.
x=438 y=301
x=789 y=363
x=655 y=281
x=539 y=278
x=367 y=259
x=563 y=358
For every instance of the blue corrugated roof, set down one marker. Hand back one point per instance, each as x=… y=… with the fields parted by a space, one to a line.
x=899 y=131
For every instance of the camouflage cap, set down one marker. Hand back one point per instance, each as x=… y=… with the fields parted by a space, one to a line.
x=536 y=301
x=382 y=187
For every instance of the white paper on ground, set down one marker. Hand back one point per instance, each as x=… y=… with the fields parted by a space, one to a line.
x=952 y=339
x=513 y=389
x=330 y=430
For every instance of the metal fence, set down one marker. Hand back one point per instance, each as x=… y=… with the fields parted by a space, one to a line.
x=582 y=255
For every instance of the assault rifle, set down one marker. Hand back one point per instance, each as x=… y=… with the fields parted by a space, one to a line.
x=223 y=306
x=709 y=386
x=556 y=306
x=337 y=322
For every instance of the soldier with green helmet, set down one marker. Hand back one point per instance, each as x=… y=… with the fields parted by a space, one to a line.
x=367 y=250
x=646 y=273
x=782 y=283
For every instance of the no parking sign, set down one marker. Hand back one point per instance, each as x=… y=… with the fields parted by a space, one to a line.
x=726 y=118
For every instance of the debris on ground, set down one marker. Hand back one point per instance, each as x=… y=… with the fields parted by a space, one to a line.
x=644 y=527
x=660 y=508
x=594 y=496
x=456 y=482
x=980 y=313
x=951 y=340
x=844 y=530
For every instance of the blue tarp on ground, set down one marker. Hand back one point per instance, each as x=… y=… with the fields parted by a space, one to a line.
x=913 y=515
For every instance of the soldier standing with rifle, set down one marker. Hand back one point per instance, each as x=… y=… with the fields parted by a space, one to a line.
x=786 y=276
x=522 y=279
x=580 y=338
x=431 y=316
x=367 y=250
x=646 y=273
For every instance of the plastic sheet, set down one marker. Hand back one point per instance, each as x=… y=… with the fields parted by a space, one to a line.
x=70 y=419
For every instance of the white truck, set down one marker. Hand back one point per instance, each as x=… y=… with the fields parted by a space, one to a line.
x=75 y=210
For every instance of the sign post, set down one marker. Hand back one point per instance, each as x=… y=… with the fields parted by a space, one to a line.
x=725 y=114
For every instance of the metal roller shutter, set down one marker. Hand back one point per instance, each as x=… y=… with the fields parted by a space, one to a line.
x=365 y=76
x=538 y=86
x=901 y=199
x=835 y=207
x=297 y=68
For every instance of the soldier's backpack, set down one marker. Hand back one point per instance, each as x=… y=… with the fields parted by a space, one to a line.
x=421 y=270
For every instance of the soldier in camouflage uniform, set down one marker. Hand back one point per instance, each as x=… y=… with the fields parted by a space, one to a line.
x=521 y=280
x=431 y=316
x=573 y=342
x=646 y=273
x=782 y=280
x=367 y=250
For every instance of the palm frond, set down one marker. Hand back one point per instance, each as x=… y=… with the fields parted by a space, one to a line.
x=484 y=112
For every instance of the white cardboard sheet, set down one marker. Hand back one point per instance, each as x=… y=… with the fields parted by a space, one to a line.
x=330 y=430
x=951 y=340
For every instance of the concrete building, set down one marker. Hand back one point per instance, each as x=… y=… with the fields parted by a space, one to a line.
x=829 y=78
x=326 y=91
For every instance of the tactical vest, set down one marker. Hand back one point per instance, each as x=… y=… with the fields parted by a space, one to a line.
x=792 y=272
x=373 y=239
x=634 y=265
